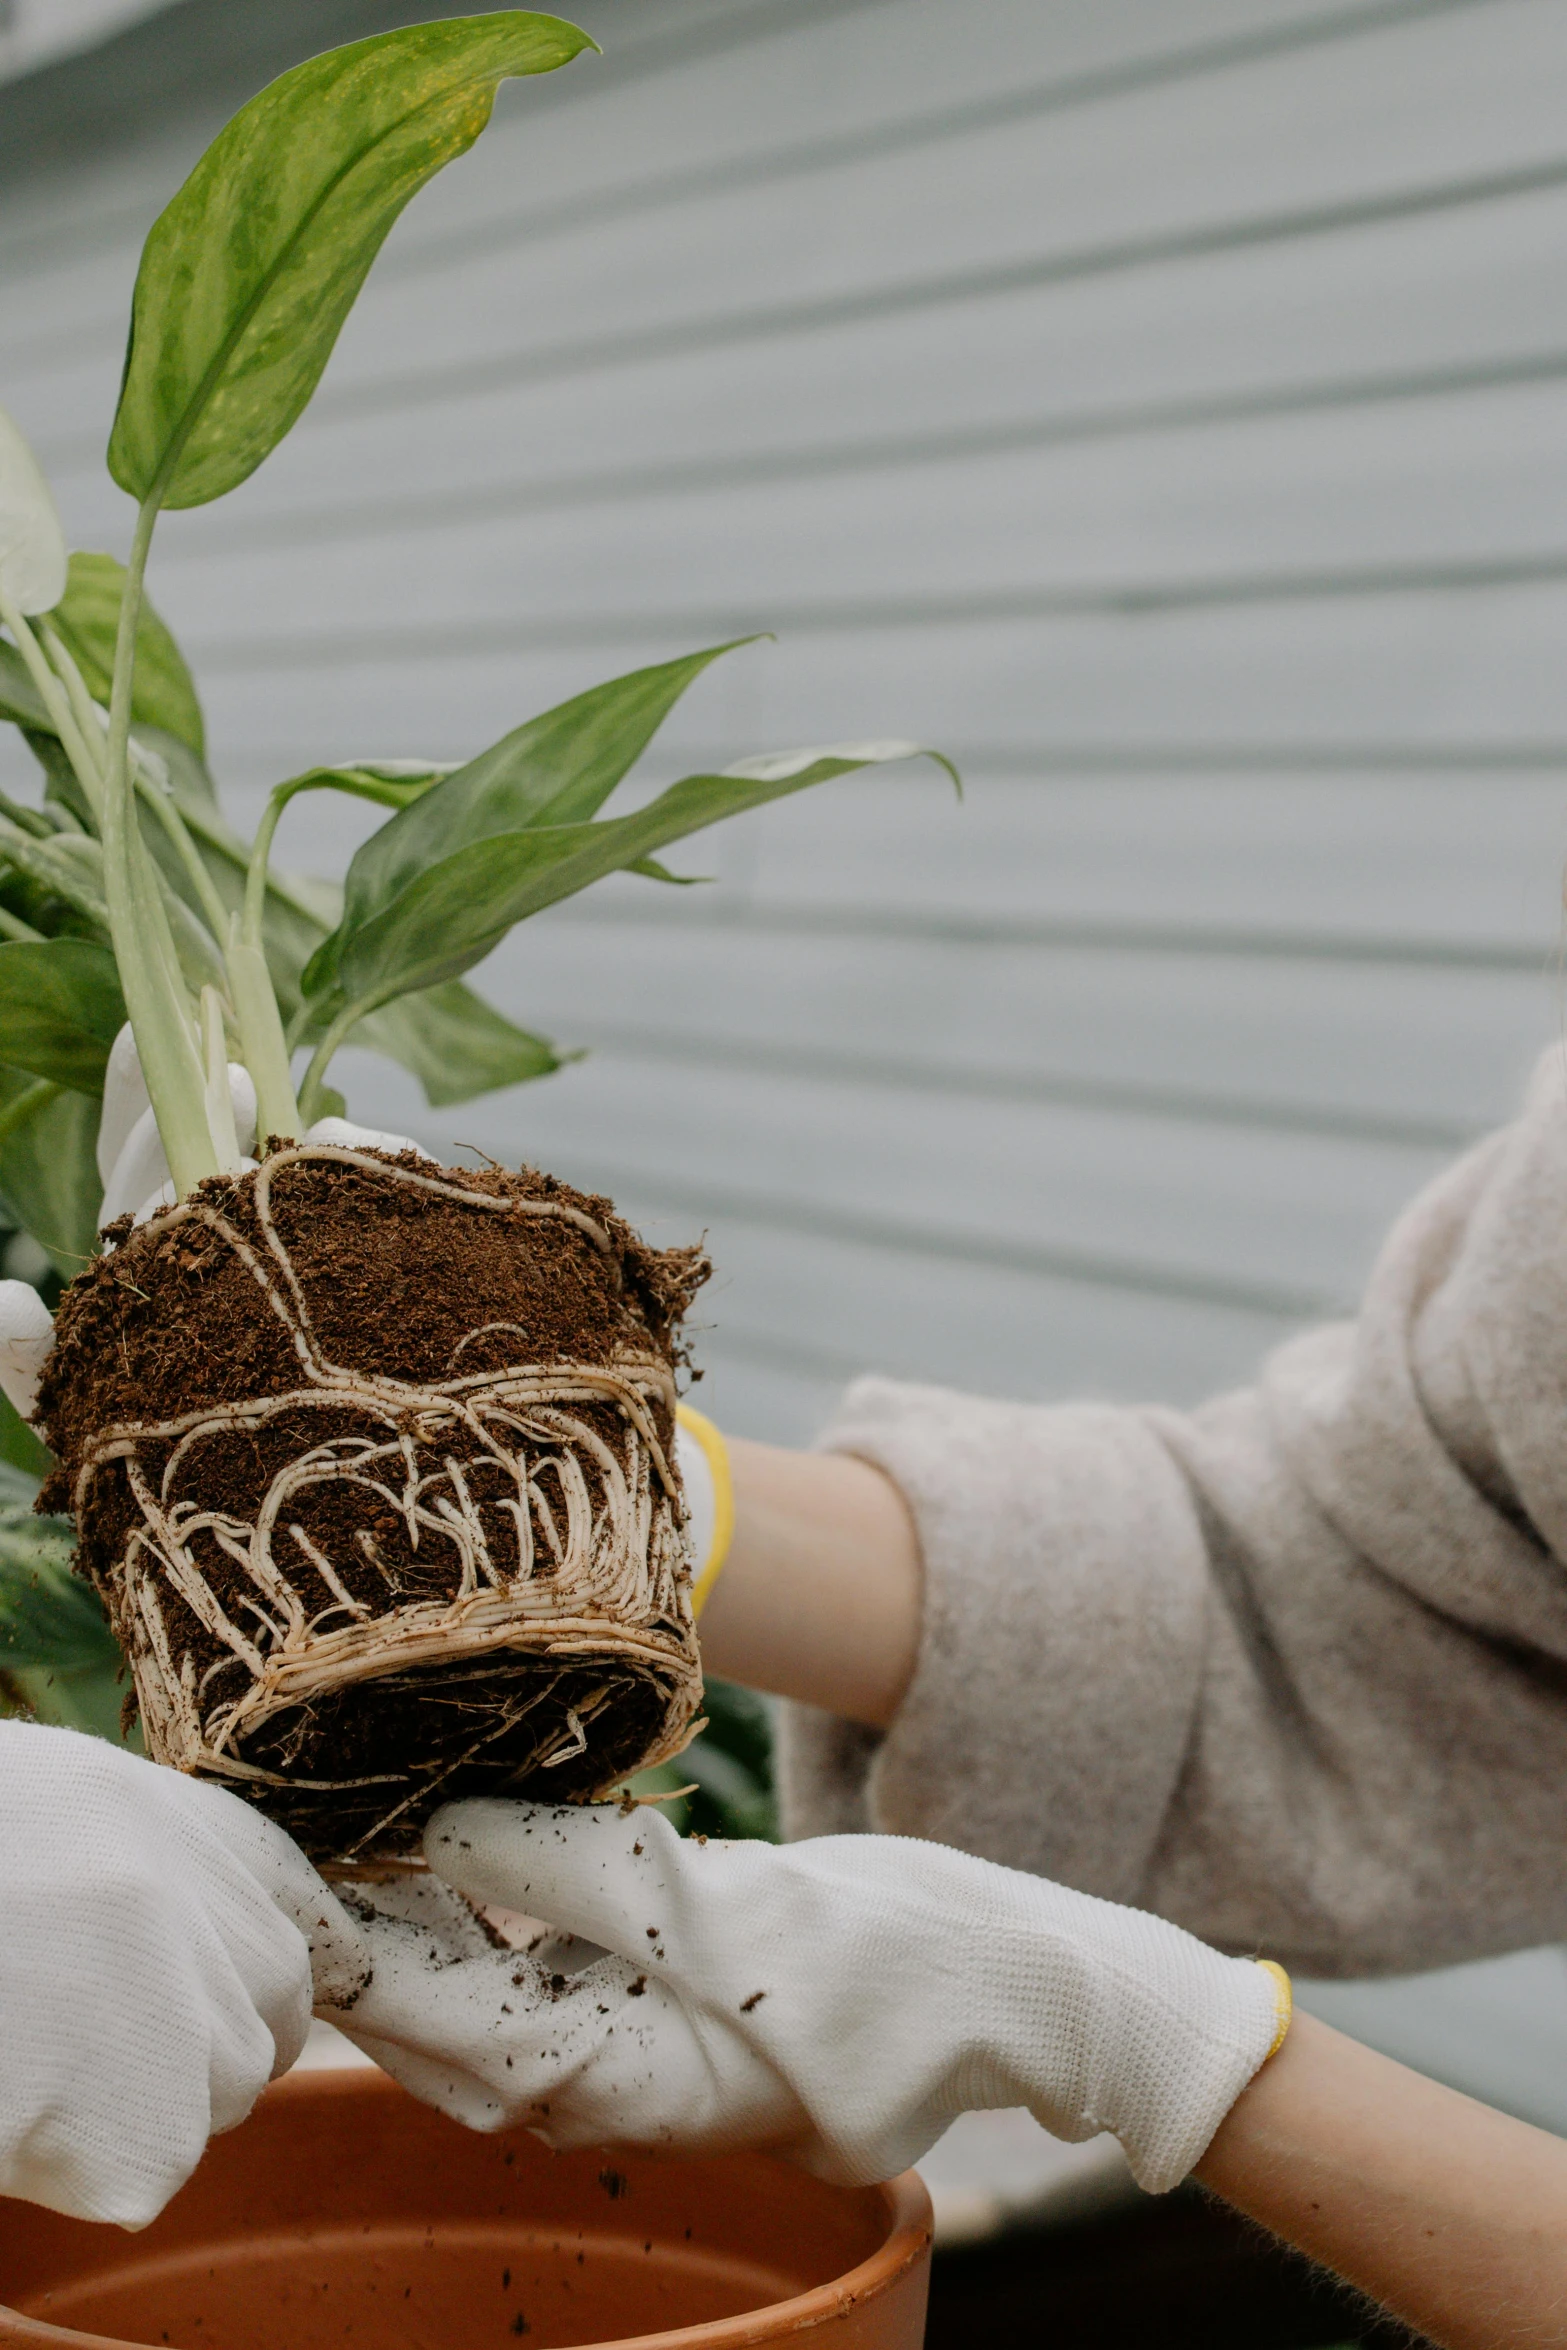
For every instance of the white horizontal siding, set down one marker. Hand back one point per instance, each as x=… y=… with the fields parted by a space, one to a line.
x=1159 y=406
x=31 y=31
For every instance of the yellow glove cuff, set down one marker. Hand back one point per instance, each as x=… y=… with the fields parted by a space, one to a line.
x=716 y=1453
x=1283 y=2003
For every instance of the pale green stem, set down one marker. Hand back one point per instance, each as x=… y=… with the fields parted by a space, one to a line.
x=162 y=910
x=278 y=1109
x=25 y=852
x=211 y=828
x=12 y=926
x=155 y=994
x=89 y=717
x=259 y=877
x=320 y=1061
x=263 y=1046
x=30 y=820
x=220 y=1102
x=56 y=701
x=154 y=796
x=60 y=818
x=260 y=858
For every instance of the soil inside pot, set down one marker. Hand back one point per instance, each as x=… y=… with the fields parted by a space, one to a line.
x=372 y=1463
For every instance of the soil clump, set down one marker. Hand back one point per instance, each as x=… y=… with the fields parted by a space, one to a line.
x=371 y=1462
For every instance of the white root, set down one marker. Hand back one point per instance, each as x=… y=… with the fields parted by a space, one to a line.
x=595 y=1563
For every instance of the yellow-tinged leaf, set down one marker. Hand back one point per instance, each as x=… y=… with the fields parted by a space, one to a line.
x=247 y=276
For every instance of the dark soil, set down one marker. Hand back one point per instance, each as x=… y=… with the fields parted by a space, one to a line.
x=397 y=1282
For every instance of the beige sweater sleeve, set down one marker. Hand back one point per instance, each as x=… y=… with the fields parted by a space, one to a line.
x=1290 y=1669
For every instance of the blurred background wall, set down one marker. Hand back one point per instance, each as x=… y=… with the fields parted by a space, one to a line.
x=33 y=31
x=1160 y=405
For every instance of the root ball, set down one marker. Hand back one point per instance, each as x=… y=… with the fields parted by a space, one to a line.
x=372 y=1465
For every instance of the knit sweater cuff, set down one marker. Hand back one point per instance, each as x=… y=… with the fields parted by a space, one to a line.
x=1061 y=1641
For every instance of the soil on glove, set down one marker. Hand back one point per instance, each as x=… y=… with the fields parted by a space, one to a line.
x=404 y=1284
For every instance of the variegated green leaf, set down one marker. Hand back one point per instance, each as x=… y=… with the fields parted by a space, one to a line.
x=247 y=276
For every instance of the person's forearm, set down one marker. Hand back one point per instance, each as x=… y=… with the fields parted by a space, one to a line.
x=820 y=1596
x=1453 y=2216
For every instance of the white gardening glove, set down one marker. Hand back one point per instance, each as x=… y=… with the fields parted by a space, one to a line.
x=134 y=1172
x=26 y=1335
x=156 y=1943
x=840 y=2000
x=131 y=1163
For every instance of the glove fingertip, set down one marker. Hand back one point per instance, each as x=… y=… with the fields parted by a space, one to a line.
x=587 y=1868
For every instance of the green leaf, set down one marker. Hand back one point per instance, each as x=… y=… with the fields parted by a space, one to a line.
x=164 y=706
x=189 y=779
x=392 y=783
x=88 y=618
x=60 y=1010
x=56 y=1648
x=91 y=1701
x=651 y=870
x=247 y=276
x=66 y=863
x=32 y=545
x=19 y=1447
x=731 y=1762
x=49 y=1167
x=729 y=1801
x=739 y=1724
x=456 y=1044
x=450 y=1039
x=61 y=782
x=450 y=916
x=559 y=768
x=49 y=1618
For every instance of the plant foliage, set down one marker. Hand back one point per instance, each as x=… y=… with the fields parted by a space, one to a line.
x=58 y=1658
x=125 y=892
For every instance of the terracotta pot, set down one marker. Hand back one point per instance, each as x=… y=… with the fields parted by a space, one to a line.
x=343 y=2213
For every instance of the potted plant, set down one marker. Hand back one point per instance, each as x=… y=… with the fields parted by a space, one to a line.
x=370 y=1460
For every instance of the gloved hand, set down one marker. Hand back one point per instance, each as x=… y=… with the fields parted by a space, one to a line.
x=841 y=2000
x=135 y=1176
x=156 y=1943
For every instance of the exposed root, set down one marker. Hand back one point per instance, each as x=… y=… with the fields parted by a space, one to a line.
x=525 y=1513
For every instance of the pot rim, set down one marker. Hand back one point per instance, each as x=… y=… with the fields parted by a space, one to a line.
x=910 y=2228
x=910 y=2232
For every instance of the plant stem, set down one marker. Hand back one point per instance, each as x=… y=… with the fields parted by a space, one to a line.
x=250 y=983
x=89 y=718
x=209 y=827
x=260 y=858
x=155 y=994
x=320 y=1060
x=29 y=855
x=157 y=799
x=29 y=820
x=220 y=1102
x=263 y=1046
x=56 y=701
x=12 y=926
